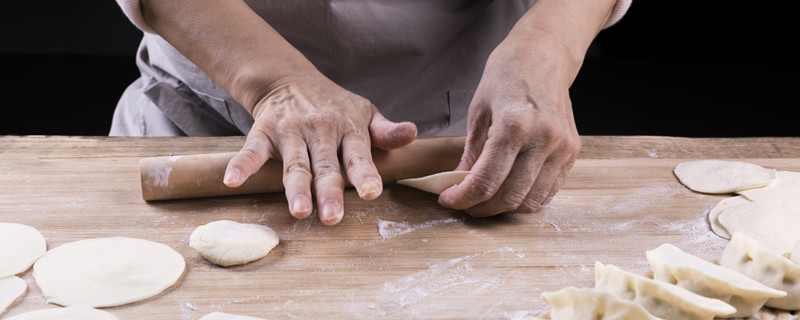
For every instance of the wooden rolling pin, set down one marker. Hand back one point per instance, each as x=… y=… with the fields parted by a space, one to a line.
x=200 y=175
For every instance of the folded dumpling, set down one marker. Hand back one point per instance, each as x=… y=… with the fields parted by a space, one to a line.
x=751 y=258
x=660 y=298
x=573 y=303
x=672 y=265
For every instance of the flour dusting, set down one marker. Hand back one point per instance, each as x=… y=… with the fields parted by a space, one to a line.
x=391 y=229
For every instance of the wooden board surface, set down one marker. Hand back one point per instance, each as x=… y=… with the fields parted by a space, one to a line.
x=400 y=256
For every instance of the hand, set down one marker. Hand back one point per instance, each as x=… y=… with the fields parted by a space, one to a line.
x=305 y=121
x=521 y=139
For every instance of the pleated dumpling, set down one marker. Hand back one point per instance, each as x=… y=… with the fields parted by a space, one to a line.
x=753 y=259
x=573 y=303
x=660 y=298
x=674 y=266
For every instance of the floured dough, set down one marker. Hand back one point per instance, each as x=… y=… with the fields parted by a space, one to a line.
x=670 y=264
x=795 y=255
x=11 y=289
x=713 y=214
x=572 y=303
x=718 y=176
x=661 y=299
x=435 y=183
x=107 y=272
x=228 y=243
x=786 y=184
x=20 y=246
x=748 y=256
x=69 y=313
x=227 y=316
x=773 y=221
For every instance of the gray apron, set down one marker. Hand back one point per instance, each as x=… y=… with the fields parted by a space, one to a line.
x=416 y=60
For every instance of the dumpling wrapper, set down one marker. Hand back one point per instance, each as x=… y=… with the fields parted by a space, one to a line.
x=20 y=246
x=435 y=183
x=719 y=176
x=773 y=221
x=661 y=299
x=572 y=303
x=227 y=316
x=68 y=313
x=795 y=255
x=228 y=243
x=107 y=272
x=751 y=258
x=671 y=264
x=786 y=183
x=713 y=214
x=11 y=289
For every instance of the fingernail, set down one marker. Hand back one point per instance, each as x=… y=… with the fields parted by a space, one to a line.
x=331 y=213
x=231 y=177
x=370 y=189
x=301 y=207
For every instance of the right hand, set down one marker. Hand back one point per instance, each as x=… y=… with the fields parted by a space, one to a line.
x=305 y=120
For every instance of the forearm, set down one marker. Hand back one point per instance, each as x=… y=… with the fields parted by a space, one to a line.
x=229 y=42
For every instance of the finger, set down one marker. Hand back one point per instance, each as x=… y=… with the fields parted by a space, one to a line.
x=328 y=184
x=479 y=122
x=388 y=135
x=359 y=167
x=255 y=152
x=515 y=189
x=547 y=179
x=296 y=175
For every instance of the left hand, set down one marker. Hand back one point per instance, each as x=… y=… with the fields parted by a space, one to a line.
x=521 y=139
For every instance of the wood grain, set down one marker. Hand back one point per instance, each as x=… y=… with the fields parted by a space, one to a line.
x=400 y=256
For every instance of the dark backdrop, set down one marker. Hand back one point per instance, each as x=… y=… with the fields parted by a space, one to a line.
x=668 y=68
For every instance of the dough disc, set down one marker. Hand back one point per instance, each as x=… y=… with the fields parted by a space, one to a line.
x=772 y=221
x=718 y=176
x=11 y=288
x=20 y=246
x=69 y=313
x=106 y=272
x=435 y=183
x=713 y=214
x=228 y=243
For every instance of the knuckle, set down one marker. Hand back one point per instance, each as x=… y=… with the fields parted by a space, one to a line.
x=295 y=166
x=510 y=200
x=482 y=188
x=355 y=159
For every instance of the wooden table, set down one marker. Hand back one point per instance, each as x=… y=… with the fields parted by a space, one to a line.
x=400 y=256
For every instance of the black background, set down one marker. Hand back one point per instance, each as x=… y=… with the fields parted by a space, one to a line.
x=714 y=69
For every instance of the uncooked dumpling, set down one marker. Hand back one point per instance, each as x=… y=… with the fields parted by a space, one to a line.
x=20 y=246
x=572 y=303
x=11 y=289
x=227 y=316
x=661 y=299
x=773 y=221
x=713 y=214
x=436 y=183
x=718 y=176
x=751 y=258
x=69 y=313
x=674 y=266
x=228 y=243
x=106 y=272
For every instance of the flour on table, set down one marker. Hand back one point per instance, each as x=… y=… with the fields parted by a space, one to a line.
x=227 y=316
x=20 y=246
x=228 y=243
x=391 y=229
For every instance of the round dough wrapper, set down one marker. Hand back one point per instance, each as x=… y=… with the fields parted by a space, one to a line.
x=227 y=243
x=20 y=246
x=713 y=214
x=11 y=289
x=435 y=183
x=772 y=221
x=106 y=272
x=719 y=176
x=227 y=316
x=69 y=313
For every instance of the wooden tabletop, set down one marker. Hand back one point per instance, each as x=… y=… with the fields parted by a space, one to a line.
x=400 y=256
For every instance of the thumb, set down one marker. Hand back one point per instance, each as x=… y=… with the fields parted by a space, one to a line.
x=388 y=135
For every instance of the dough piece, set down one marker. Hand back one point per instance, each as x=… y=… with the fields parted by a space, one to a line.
x=750 y=257
x=795 y=255
x=786 y=183
x=773 y=221
x=11 y=289
x=106 y=272
x=718 y=176
x=572 y=303
x=436 y=183
x=227 y=316
x=674 y=266
x=228 y=243
x=661 y=299
x=20 y=246
x=69 y=313
x=713 y=214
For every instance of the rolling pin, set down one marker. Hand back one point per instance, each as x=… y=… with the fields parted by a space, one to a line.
x=200 y=175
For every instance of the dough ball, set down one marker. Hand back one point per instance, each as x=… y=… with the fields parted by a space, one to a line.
x=20 y=246
x=436 y=183
x=69 y=313
x=718 y=176
x=227 y=316
x=11 y=289
x=106 y=272
x=228 y=243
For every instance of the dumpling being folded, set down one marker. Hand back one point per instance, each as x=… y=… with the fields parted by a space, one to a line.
x=674 y=266
x=572 y=303
x=753 y=259
x=661 y=299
